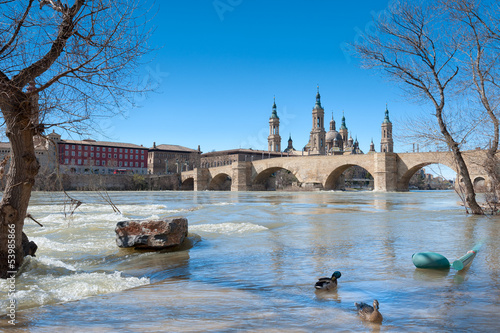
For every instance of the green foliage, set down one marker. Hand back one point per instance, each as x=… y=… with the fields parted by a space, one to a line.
x=139 y=183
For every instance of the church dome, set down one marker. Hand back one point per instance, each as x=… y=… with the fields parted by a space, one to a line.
x=332 y=135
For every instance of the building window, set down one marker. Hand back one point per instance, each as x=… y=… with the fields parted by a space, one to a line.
x=92 y=148
x=116 y=150
x=142 y=157
x=79 y=161
x=136 y=157
x=79 y=153
x=121 y=156
x=126 y=163
x=142 y=164
x=72 y=146
x=137 y=151
x=85 y=154
x=66 y=161
x=136 y=164
x=98 y=154
x=86 y=148
x=85 y=162
x=98 y=148
x=79 y=147
x=121 y=150
x=109 y=155
x=126 y=150
x=72 y=153
x=120 y=163
x=114 y=155
x=126 y=156
x=91 y=154
x=66 y=146
x=66 y=152
x=97 y=162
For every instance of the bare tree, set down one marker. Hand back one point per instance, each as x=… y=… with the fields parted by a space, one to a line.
x=80 y=58
x=411 y=46
x=481 y=45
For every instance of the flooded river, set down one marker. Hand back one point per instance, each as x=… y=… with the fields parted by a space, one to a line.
x=251 y=263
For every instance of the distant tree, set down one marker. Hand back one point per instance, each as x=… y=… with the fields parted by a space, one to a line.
x=79 y=60
x=413 y=45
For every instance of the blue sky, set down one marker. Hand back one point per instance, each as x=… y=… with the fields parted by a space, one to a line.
x=221 y=63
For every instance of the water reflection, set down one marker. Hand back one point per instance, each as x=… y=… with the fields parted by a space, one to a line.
x=430 y=274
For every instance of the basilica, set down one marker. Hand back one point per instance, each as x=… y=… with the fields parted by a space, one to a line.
x=332 y=142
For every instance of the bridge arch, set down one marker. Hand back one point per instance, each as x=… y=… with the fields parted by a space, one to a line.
x=221 y=182
x=404 y=180
x=480 y=184
x=187 y=184
x=334 y=180
x=260 y=181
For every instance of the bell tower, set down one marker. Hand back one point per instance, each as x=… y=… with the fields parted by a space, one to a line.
x=317 y=138
x=386 y=144
x=344 y=132
x=274 y=138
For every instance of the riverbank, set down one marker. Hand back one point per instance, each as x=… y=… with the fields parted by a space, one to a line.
x=91 y=182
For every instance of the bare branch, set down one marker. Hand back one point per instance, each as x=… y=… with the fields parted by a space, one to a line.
x=18 y=28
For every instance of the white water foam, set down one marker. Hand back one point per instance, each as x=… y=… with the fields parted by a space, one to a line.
x=54 y=262
x=227 y=228
x=49 y=289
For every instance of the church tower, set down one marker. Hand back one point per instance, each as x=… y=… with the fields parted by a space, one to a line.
x=290 y=143
x=343 y=132
x=386 y=144
x=332 y=124
x=274 y=138
x=317 y=139
x=290 y=148
x=372 y=147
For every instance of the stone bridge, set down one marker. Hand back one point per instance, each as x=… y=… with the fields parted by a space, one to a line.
x=390 y=171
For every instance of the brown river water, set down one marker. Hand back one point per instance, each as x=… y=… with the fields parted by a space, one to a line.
x=251 y=262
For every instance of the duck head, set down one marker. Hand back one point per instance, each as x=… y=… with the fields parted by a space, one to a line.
x=336 y=275
x=375 y=304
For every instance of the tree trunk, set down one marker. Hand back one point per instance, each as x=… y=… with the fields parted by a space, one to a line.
x=20 y=179
x=463 y=171
x=470 y=194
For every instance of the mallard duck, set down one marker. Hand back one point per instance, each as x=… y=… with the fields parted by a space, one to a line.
x=327 y=283
x=369 y=313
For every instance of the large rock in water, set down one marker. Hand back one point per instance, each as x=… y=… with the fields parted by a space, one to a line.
x=152 y=234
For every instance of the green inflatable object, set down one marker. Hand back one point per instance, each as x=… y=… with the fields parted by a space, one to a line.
x=430 y=260
x=464 y=261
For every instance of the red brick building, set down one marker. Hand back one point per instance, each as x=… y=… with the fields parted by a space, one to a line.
x=100 y=157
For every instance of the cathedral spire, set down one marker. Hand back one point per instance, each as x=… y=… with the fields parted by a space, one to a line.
x=318 y=98
x=332 y=124
x=274 y=138
x=274 y=113
x=343 y=126
x=386 y=143
x=386 y=119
